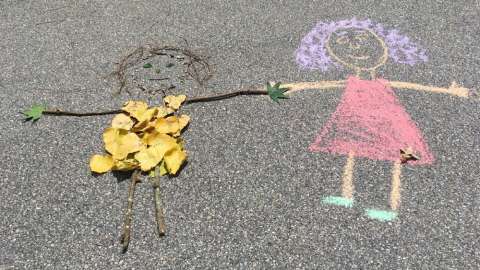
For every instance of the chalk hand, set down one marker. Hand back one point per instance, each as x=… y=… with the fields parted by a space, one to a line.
x=458 y=90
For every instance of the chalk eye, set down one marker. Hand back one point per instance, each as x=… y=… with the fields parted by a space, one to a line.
x=361 y=36
x=342 y=40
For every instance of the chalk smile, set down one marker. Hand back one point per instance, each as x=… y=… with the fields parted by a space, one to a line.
x=363 y=57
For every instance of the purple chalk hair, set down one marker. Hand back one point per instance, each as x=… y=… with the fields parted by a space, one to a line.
x=312 y=53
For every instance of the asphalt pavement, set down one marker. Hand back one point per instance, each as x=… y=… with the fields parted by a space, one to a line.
x=250 y=196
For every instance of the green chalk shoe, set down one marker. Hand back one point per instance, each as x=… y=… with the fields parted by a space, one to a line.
x=337 y=200
x=382 y=215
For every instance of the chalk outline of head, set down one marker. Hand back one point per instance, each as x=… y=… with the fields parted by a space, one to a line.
x=313 y=53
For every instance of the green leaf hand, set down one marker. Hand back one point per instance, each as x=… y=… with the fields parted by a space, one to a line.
x=275 y=92
x=34 y=113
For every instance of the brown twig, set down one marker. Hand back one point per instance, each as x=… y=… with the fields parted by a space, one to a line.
x=124 y=64
x=58 y=112
x=160 y=217
x=248 y=92
x=125 y=240
x=196 y=66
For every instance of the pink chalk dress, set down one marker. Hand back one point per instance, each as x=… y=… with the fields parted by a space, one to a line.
x=371 y=122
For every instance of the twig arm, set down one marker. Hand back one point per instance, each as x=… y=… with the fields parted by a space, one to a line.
x=252 y=91
x=247 y=92
x=58 y=112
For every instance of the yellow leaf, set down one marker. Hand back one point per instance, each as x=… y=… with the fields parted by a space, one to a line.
x=144 y=119
x=131 y=142
x=180 y=143
x=145 y=127
x=151 y=156
x=164 y=111
x=174 y=159
x=167 y=125
x=147 y=158
x=110 y=137
x=182 y=123
x=184 y=119
x=122 y=121
x=174 y=102
x=135 y=108
x=101 y=164
x=156 y=138
x=163 y=169
x=148 y=115
x=159 y=169
x=125 y=165
x=120 y=143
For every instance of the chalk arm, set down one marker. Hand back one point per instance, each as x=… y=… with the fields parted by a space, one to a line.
x=321 y=85
x=454 y=89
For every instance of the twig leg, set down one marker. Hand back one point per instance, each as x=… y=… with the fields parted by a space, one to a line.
x=127 y=224
x=160 y=217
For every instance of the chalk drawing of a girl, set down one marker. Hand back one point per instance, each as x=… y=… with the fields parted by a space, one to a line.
x=369 y=121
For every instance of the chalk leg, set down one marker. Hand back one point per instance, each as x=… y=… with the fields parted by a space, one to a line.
x=346 y=199
x=395 y=194
x=395 y=197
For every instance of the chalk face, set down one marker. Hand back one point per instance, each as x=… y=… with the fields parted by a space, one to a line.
x=357 y=48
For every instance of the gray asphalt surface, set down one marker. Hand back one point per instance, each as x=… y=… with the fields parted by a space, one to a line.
x=250 y=195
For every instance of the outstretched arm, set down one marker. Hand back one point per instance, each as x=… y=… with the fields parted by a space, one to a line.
x=321 y=85
x=454 y=88
x=35 y=112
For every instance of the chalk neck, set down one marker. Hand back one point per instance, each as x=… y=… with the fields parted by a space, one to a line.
x=363 y=74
